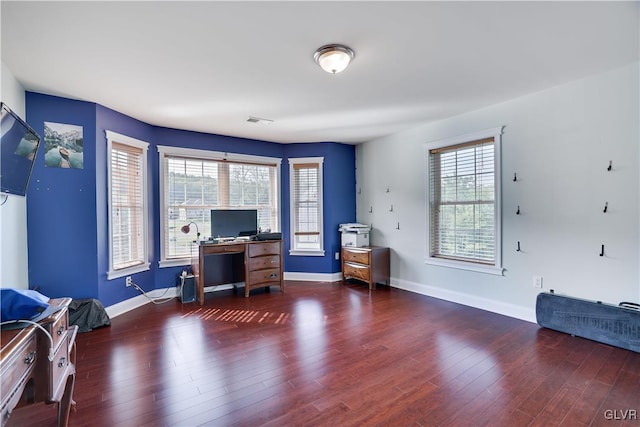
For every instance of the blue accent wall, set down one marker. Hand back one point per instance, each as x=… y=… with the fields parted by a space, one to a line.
x=67 y=215
x=61 y=206
x=339 y=202
x=113 y=291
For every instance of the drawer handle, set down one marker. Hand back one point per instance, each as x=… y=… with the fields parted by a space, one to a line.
x=273 y=276
x=62 y=362
x=30 y=358
x=60 y=330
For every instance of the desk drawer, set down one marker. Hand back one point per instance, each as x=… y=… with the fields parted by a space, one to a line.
x=17 y=368
x=58 y=369
x=264 y=276
x=267 y=248
x=58 y=329
x=262 y=262
x=357 y=271
x=222 y=249
x=355 y=255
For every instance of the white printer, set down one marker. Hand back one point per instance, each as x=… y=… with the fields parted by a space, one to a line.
x=354 y=234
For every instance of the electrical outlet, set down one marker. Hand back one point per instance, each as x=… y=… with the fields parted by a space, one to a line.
x=537 y=282
x=127 y=281
x=337 y=255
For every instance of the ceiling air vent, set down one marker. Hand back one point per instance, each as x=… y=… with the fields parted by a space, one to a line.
x=252 y=119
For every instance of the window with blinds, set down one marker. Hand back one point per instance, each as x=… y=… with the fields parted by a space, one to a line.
x=306 y=206
x=192 y=186
x=127 y=205
x=463 y=199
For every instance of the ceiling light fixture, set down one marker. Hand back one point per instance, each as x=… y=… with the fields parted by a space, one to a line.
x=334 y=58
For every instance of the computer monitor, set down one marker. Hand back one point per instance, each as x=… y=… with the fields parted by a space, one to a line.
x=227 y=223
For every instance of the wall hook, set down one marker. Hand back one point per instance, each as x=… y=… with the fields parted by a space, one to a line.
x=518 y=211
x=391 y=208
x=606 y=206
x=398 y=226
x=515 y=177
x=518 y=250
x=387 y=189
x=610 y=165
x=371 y=209
x=602 y=251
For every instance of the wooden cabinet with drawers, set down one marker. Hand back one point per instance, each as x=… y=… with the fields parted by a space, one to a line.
x=39 y=367
x=369 y=264
x=263 y=262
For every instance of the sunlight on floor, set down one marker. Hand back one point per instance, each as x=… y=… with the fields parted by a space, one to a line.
x=238 y=316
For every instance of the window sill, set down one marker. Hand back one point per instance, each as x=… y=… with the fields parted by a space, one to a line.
x=299 y=252
x=128 y=271
x=177 y=262
x=461 y=265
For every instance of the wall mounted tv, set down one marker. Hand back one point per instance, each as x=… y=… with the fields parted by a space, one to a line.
x=227 y=223
x=18 y=147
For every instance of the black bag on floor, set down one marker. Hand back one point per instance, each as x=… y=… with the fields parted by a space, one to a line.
x=88 y=314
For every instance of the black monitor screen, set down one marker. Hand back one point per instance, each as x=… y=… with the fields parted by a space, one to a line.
x=18 y=146
x=234 y=222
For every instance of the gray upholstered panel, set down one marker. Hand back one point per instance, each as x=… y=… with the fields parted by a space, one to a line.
x=605 y=323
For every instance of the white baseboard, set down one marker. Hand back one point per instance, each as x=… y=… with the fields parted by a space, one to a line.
x=313 y=277
x=172 y=292
x=140 y=300
x=503 y=308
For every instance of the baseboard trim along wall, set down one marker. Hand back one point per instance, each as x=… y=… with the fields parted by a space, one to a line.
x=313 y=277
x=505 y=309
x=172 y=292
x=140 y=300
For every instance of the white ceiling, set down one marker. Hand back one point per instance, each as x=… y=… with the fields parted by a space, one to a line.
x=208 y=66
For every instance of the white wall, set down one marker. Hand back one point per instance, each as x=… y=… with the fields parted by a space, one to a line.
x=13 y=213
x=559 y=142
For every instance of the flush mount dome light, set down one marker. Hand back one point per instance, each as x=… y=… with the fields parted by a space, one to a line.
x=333 y=58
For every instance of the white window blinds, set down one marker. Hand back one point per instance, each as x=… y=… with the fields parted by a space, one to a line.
x=306 y=202
x=462 y=202
x=127 y=206
x=192 y=187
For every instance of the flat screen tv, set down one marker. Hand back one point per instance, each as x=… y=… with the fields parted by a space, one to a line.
x=227 y=223
x=18 y=146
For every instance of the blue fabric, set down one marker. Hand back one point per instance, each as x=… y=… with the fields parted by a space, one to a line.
x=21 y=304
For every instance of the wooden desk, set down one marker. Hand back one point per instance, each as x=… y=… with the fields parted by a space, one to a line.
x=258 y=263
x=28 y=376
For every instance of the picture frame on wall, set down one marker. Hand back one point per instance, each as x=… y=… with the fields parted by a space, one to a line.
x=63 y=146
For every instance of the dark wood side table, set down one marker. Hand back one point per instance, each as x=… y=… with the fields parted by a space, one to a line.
x=369 y=264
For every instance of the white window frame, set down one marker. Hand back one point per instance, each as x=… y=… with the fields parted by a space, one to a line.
x=171 y=151
x=497 y=269
x=112 y=137
x=294 y=250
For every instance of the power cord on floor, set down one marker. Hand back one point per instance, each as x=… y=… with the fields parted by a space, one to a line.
x=161 y=299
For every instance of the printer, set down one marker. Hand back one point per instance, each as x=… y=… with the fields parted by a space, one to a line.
x=354 y=234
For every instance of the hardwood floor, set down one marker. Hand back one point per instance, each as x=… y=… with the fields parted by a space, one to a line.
x=339 y=355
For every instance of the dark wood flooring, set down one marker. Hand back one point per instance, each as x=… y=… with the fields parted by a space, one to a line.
x=339 y=355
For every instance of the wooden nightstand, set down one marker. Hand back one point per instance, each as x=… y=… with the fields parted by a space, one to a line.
x=369 y=264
